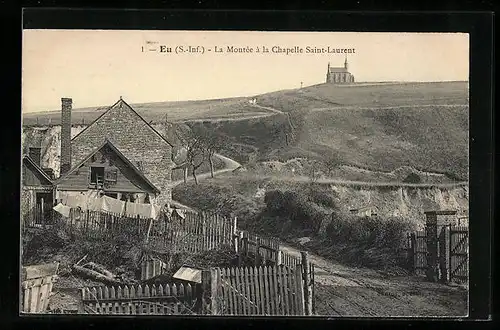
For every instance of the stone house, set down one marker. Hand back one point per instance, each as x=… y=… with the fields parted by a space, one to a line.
x=122 y=136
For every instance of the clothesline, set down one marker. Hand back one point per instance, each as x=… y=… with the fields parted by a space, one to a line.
x=92 y=202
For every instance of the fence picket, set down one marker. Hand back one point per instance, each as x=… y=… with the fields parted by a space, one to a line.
x=248 y=290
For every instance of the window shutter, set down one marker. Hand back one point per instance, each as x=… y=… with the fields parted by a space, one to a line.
x=110 y=175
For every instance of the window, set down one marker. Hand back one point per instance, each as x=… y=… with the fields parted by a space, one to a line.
x=111 y=175
x=96 y=174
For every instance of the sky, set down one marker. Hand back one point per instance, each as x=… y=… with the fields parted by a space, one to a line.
x=96 y=67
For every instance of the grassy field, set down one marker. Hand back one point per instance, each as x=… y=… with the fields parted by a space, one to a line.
x=421 y=125
x=327 y=95
x=155 y=112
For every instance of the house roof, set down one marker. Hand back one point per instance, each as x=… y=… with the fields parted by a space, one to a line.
x=118 y=103
x=338 y=69
x=37 y=168
x=122 y=156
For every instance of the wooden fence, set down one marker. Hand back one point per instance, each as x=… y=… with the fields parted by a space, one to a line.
x=265 y=290
x=416 y=249
x=452 y=253
x=38 y=216
x=458 y=254
x=36 y=285
x=162 y=299
x=264 y=250
x=196 y=233
x=98 y=224
x=193 y=234
x=151 y=267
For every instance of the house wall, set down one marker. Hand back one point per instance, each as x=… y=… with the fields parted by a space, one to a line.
x=31 y=177
x=135 y=139
x=127 y=180
x=27 y=200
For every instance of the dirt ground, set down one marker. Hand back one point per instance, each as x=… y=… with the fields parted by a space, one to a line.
x=349 y=291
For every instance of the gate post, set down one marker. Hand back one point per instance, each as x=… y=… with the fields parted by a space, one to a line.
x=432 y=246
x=308 y=298
x=210 y=291
x=443 y=255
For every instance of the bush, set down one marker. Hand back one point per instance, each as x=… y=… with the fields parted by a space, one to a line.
x=367 y=241
x=412 y=178
x=274 y=200
x=322 y=197
x=296 y=207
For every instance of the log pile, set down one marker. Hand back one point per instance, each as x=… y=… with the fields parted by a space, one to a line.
x=99 y=273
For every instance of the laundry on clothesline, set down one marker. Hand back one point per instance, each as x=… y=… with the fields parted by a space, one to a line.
x=113 y=205
x=62 y=209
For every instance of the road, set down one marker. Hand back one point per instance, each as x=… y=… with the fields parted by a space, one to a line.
x=229 y=165
x=348 y=291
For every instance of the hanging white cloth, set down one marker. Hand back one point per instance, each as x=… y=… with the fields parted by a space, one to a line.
x=113 y=205
x=155 y=211
x=62 y=209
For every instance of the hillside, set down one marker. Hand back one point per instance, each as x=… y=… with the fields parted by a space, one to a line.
x=155 y=112
x=379 y=127
x=359 y=95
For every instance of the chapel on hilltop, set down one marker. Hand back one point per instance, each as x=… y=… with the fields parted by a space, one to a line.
x=339 y=75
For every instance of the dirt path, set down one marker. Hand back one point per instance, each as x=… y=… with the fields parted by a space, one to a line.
x=349 y=291
x=229 y=165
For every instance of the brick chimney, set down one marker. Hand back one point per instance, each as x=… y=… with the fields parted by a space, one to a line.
x=35 y=153
x=66 y=105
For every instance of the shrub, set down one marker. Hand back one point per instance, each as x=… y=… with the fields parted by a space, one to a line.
x=322 y=197
x=412 y=178
x=367 y=241
x=274 y=200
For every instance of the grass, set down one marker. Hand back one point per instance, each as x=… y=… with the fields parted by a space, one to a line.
x=327 y=95
x=380 y=127
x=155 y=112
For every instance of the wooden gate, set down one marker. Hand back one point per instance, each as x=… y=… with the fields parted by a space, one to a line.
x=459 y=254
x=416 y=250
x=268 y=290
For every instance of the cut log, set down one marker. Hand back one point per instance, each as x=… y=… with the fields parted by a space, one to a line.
x=99 y=268
x=89 y=273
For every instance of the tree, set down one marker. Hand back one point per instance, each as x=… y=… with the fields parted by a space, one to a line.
x=314 y=171
x=192 y=143
x=212 y=141
x=332 y=162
